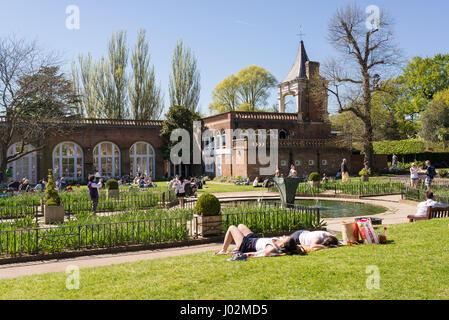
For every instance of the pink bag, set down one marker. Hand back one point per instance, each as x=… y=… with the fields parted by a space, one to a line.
x=367 y=231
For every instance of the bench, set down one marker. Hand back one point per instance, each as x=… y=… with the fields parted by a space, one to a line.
x=432 y=213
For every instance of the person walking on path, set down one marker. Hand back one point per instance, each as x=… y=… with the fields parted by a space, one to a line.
x=431 y=173
x=93 y=192
x=344 y=171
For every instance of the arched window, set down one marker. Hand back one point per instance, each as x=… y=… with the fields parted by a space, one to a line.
x=223 y=139
x=25 y=167
x=107 y=159
x=142 y=159
x=68 y=161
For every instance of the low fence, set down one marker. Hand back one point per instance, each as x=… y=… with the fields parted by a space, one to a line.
x=76 y=204
x=126 y=201
x=357 y=189
x=419 y=195
x=59 y=239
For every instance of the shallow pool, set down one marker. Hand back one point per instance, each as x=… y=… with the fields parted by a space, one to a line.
x=330 y=209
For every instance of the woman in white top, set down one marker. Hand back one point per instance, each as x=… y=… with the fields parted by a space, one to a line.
x=313 y=240
x=414 y=175
x=247 y=242
x=180 y=190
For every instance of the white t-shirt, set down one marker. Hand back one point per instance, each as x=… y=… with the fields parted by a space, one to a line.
x=414 y=173
x=306 y=237
x=255 y=183
x=263 y=242
x=422 y=207
x=180 y=187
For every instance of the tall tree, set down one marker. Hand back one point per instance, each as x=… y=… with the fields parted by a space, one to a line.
x=366 y=57
x=435 y=118
x=34 y=98
x=178 y=117
x=84 y=82
x=247 y=91
x=145 y=96
x=184 y=86
x=254 y=85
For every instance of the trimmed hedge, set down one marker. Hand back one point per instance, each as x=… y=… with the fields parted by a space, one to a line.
x=112 y=184
x=207 y=205
x=315 y=177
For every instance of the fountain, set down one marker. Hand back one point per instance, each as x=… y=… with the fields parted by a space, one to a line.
x=287 y=188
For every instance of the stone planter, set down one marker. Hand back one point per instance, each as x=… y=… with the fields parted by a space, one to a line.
x=314 y=184
x=206 y=226
x=112 y=194
x=53 y=214
x=364 y=178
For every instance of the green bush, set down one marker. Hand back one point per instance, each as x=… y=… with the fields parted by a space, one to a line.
x=443 y=173
x=52 y=199
x=314 y=176
x=112 y=184
x=364 y=172
x=207 y=205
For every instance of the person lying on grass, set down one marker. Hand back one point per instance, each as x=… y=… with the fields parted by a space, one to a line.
x=248 y=243
x=314 y=240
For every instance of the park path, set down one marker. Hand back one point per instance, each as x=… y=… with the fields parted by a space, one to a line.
x=397 y=213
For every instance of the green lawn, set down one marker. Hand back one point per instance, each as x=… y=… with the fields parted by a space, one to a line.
x=414 y=266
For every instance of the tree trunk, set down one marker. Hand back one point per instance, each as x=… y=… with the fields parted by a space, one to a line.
x=368 y=146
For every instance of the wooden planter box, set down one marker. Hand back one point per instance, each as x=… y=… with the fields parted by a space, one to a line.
x=206 y=226
x=112 y=194
x=53 y=214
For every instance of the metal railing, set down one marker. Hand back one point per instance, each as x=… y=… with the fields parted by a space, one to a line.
x=58 y=239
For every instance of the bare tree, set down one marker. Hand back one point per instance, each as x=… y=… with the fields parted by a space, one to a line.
x=368 y=54
x=34 y=98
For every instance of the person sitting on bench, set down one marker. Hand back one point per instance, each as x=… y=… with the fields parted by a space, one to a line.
x=421 y=211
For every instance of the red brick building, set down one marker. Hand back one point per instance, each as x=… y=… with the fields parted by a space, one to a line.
x=116 y=148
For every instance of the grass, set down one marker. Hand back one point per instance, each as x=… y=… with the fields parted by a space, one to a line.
x=414 y=266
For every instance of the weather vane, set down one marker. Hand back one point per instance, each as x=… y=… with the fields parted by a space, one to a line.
x=301 y=33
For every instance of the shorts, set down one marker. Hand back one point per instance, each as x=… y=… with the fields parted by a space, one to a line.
x=429 y=181
x=181 y=195
x=249 y=243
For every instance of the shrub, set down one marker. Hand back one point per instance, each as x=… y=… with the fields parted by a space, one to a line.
x=443 y=173
x=315 y=177
x=112 y=184
x=208 y=205
x=364 y=172
x=53 y=198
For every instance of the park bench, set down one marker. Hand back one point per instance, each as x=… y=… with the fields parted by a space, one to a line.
x=432 y=213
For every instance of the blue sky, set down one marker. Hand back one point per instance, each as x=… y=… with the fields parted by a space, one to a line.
x=226 y=36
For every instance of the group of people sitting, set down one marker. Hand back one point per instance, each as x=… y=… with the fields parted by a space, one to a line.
x=143 y=182
x=25 y=186
x=299 y=242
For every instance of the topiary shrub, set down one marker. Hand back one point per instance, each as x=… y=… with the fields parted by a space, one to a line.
x=208 y=205
x=112 y=184
x=315 y=177
x=52 y=199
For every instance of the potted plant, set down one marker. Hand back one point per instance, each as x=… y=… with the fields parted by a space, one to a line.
x=53 y=207
x=207 y=219
x=364 y=175
x=112 y=189
x=314 y=180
